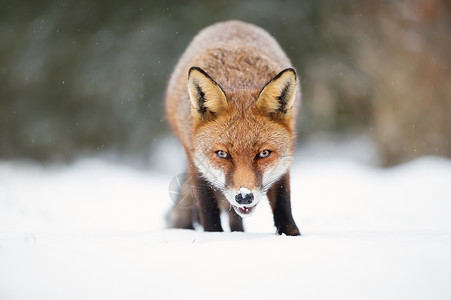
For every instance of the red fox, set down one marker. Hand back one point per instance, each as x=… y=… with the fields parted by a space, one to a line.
x=232 y=102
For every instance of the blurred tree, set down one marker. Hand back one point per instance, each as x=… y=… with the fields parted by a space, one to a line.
x=85 y=77
x=403 y=49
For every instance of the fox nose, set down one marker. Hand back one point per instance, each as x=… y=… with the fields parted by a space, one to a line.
x=244 y=199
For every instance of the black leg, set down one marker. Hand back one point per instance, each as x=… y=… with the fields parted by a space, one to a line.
x=279 y=197
x=235 y=221
x=207 y=205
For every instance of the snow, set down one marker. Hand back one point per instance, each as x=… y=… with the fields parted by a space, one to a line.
x=244 y=191
x=95 y=230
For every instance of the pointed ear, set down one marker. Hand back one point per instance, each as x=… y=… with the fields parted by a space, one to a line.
x=207 y=97
x=277 y=97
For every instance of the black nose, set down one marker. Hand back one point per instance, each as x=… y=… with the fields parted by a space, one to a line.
x=246 y=199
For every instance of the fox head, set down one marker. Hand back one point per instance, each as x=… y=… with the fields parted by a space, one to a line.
x=243 y=141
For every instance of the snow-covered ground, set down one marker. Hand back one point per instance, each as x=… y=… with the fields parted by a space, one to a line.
x=95 y=230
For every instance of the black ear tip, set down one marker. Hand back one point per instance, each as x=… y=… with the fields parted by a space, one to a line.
x=205 y=74
x=194 y=68
x=290 y=70
x=199 y=70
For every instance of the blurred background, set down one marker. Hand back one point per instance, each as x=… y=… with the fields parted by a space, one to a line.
x=87 y=78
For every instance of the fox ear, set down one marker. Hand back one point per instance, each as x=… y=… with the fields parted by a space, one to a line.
x=207 y=97
x=277 y=97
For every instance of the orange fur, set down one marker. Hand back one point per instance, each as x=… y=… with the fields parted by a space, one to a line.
x=240 y=57
x=234 y=91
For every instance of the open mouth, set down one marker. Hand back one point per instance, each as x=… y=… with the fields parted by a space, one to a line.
x=245 y=210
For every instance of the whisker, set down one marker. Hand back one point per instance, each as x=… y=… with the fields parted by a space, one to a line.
x=213 y=183
x=268 y=185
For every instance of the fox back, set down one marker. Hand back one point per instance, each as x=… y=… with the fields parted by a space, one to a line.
x=232 y=101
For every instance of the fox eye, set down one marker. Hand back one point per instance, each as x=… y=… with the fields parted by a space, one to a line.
x=222 y=154
x=264 y=154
